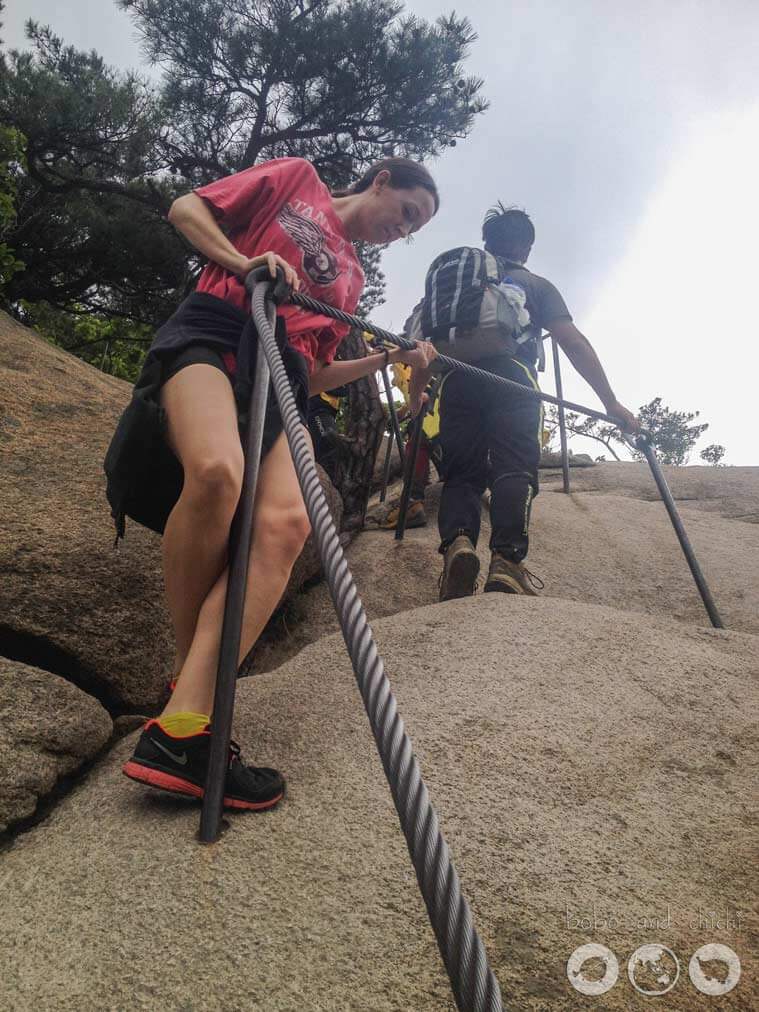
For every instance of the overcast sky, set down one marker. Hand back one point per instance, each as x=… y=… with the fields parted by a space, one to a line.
x=629 y=130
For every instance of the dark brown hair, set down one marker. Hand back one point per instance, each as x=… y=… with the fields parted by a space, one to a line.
x=405 y=174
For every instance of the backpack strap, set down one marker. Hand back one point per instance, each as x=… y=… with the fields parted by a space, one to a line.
x=433 y=295
x=493 y=269
x=460 y=284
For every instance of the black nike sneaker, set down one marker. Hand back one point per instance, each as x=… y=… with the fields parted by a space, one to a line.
x=179 y=765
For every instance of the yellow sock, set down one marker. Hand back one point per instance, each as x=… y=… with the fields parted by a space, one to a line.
x=181 y=725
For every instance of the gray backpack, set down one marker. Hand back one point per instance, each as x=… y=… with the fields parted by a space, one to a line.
x=467 y=311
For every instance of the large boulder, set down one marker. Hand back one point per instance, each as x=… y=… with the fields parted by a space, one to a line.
x=602 y=547
x=580 y=759
x=68 y=601
x=48 y=729
x=552 y=459
x=731 y=492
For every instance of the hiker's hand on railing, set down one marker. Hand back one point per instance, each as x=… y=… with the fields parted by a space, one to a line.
x=629 y=422
x=272 y=261
x=420 y=357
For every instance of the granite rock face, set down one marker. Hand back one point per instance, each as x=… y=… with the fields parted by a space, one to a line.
x=69 y=603
x=730 y=492
x=591 y=753
x=605 y=546
x=577 y=757
x=68 y=600
x=48 y=728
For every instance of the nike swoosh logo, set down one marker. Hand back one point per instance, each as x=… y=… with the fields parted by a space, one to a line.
x=181 y=759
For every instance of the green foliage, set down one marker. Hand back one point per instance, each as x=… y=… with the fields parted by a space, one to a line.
x=11 y=163
x=115 y=346
x=339 y=83
x=372 y=295
x=89 y=224
x=713 y=454
x=671 y=434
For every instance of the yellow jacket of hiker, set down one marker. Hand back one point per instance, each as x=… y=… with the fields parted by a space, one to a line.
x=401 y=377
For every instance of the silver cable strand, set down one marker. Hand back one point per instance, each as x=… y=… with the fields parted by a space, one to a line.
x=306 y=302
x=474 y=985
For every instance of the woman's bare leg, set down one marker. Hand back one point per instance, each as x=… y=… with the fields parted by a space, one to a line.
x=202 y=431
x=280 y=529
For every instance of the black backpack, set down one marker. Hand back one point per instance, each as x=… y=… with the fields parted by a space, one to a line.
x=467 y=312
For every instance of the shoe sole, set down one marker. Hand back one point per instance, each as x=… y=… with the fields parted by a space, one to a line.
x=462 y=576
x=175 y=785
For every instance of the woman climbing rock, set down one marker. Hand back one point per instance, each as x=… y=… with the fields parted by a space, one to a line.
x=176 y=461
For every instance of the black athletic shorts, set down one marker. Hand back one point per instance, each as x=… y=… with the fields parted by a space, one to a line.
x=199 y=354
x=144 y=478
x=226 y=361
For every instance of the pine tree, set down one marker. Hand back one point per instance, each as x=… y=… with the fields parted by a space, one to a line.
x=105 y=152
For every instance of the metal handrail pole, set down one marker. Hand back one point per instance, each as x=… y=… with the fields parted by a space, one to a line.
x=562 y=421
x=644 y=445
x=443 y=362
x=395 y=424
x=415 y=439
x=387 y=464
x=231 y=632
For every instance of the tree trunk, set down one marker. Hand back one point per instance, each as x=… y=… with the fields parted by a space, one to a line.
x=364 y=426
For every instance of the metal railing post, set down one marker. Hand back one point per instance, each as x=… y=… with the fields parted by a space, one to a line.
x=229 y=659
x=387 y=464
x=415 y=438
x=442 y=361
x=644 y=445
x=395 y=424
x=562 y=422
x=395 y=430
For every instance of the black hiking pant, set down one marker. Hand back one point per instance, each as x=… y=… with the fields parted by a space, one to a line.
x=489 y=437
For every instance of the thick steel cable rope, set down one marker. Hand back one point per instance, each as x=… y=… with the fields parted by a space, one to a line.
x=474 y=984
x=306 y=302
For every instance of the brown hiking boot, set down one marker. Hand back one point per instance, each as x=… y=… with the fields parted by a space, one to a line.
x=415 y=517
x=511 y=577
x=461 y=567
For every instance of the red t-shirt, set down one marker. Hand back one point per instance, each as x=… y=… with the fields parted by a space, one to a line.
x=283 y=206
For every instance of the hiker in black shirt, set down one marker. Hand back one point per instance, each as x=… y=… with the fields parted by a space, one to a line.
x=491 y=437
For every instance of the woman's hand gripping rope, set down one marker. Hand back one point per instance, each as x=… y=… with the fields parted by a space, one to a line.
x=272 y=261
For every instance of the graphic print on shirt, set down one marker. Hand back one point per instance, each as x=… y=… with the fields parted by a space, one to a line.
x=318 y=263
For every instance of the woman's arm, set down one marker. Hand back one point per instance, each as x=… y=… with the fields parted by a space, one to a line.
x=191 y=216
x=326 y=377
